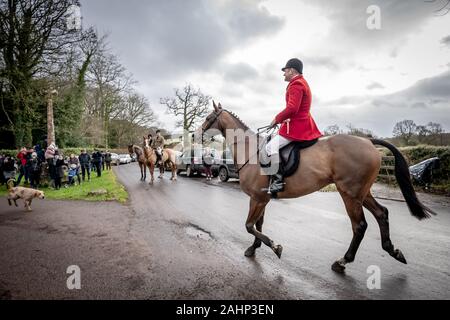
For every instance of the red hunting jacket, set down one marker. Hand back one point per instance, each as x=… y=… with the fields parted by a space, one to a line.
x=298 y=123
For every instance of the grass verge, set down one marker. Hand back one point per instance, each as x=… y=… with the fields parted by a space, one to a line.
x=108 y=181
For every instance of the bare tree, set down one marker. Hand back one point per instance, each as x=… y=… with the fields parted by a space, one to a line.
x=435 y=128
x=136 y=110
x=422 y=133
x=134 y=117
x=190 y=104
x=360 y=132
x=109 y=80
x=405 y=130
x=332 y=130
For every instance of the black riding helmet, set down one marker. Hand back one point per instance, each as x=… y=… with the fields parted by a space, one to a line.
x=295 y=64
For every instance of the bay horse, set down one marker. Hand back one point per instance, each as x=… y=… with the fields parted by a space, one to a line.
x=168 y=156
x=351 y=163
x=142 y=161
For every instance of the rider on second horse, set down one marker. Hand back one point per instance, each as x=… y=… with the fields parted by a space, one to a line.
x=158 y=145
x=296 y=119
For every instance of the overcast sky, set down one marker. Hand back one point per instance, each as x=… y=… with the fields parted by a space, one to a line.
x=233 y=50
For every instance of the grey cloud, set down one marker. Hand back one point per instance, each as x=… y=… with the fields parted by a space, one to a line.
x=320 y=61
x=419 y=105
x=398 y=19
x=436 y=87
x=375 y=85
x=428 y=91
x=240 y=72
x=426 y=100
x=159 y=38
x=346 y=100
x=446 y=40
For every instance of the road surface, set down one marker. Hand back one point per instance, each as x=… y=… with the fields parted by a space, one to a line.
x=186 y=240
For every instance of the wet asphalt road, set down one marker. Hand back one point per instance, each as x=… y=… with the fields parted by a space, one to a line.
x=186 y=239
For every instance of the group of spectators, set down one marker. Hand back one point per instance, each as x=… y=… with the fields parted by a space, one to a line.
x=30 y=164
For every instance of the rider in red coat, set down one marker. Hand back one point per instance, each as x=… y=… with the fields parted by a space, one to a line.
x=296 y=119
x=298 y=123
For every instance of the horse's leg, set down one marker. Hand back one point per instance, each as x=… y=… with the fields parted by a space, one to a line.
x=145 y=172
x=359 y=226
x=381 y=214
x=161 y=169
x=140 y=167
x=250 y=252
x=255 y=213
x=150 y=170
x=174 y=169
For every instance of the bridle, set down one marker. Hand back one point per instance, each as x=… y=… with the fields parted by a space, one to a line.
x=212 y=121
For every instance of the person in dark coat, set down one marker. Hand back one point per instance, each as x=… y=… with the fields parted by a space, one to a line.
x=34 y=170
x=97 y=162
x=108 y=159
x=85 y=164
x=59 y=169
x=103 y=160
x=40 y=152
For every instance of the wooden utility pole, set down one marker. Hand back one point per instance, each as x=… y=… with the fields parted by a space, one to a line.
x=50 y=121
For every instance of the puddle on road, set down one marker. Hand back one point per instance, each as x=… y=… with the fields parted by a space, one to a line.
x=197 y=233
x=194 y=230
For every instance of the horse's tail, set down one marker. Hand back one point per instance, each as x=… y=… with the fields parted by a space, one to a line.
x=10 y=184
x=417 y=209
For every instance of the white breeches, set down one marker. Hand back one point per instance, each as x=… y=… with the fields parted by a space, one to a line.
x=275 y=144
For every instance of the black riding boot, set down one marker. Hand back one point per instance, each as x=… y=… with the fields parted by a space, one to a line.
x=277 y=183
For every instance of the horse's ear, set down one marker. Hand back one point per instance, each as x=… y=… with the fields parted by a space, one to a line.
x=219 y=106
x=215 y=106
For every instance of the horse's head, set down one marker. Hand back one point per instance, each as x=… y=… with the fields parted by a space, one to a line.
x=212 y=121
x=130 y=149
x=146 y=142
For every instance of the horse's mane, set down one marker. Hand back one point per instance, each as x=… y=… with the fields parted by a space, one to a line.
x=140 y=149
x=238 y=119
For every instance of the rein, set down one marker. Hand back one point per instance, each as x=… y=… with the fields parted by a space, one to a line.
x=265 y=128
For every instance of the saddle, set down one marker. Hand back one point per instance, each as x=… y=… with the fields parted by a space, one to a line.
x=289 y=156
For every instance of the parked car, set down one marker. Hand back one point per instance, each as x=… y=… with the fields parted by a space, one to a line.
x=224 y=167
x=191 y=163
x=114 y=159
x=124 y=159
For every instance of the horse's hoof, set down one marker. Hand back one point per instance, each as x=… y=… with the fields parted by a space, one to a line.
x=338 y=267
x=398 y=255
x=278 y=249
x=250 y=252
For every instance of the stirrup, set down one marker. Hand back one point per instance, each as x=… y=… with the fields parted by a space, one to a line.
x=270 y=190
